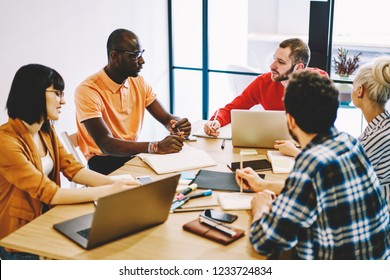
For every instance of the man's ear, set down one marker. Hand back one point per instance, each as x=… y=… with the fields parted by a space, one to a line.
x=114 y=56
x=299 y=66
x=290 y=121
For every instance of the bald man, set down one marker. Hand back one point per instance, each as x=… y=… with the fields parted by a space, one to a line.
x=110 y=108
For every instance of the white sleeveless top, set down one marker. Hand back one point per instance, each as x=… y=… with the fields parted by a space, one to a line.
x=47 y=164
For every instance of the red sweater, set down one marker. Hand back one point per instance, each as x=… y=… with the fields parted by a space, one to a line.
x=261 y=91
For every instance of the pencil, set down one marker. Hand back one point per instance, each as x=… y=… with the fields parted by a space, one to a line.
x=216 y=115
x=241 y=166
x=215 y=118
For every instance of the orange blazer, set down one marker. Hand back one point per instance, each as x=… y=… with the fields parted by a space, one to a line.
x=24 y=188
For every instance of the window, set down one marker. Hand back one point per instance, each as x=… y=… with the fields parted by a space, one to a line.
x=219 y=46
x=360 y=28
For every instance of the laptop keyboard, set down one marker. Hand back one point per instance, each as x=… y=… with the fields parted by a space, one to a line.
x=84 y=233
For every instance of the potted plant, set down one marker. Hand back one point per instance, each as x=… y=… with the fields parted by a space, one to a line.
x=344 y=65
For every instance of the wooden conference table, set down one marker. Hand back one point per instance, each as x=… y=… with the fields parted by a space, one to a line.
x=167 y=241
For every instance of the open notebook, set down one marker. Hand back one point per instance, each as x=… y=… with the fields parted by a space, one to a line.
x=188 y=158
x=280 y=163
x=235 y=201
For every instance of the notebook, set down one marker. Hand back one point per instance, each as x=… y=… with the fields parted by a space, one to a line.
x=211 y=233
x=122 y=214
x=280 y=163
x=258 y=128
x=188 y=158
x=217 y=180
x=235 y=201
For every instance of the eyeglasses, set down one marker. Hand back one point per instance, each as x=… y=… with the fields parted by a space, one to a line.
x=59 y=93
x=133 y=55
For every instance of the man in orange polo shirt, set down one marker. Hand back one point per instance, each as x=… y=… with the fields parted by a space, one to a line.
x=110 y=108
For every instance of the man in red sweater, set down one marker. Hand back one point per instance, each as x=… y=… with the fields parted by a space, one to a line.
x=267 y=89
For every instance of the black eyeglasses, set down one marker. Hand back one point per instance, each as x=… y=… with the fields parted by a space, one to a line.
x=134 y=55
x=59 y=93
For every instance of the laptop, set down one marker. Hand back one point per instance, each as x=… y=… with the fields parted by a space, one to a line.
x=121 y=214
x=258 y=128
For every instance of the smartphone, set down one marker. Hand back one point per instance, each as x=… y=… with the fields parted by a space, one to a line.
x=219 y=216
x=144 y=179
x=257 y=165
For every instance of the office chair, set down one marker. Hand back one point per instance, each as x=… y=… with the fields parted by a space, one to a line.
x=72 y=144
x=239 y=82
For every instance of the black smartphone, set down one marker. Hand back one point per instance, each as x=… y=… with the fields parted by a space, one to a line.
x=220 y=216
x=257 y=165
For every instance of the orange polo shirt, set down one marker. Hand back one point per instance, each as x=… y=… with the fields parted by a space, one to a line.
x=122 y=107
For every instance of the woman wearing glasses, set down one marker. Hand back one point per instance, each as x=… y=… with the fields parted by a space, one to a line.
x=32 y=156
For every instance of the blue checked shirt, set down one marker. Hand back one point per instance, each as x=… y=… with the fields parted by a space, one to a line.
x=331 y=207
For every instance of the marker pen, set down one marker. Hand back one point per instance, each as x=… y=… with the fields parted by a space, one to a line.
x=177 y=204
x=186 y=191
x=204 y=193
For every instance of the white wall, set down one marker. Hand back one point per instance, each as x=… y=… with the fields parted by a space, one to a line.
x=70 y=36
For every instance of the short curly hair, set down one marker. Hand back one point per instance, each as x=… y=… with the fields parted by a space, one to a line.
x=312 y=100
x=300 y=51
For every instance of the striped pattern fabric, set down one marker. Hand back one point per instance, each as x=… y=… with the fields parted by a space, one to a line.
x=331 y=207
x=375 y=140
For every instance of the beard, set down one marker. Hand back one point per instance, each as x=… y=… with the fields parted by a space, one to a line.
x=285 y=75
x=293 y=135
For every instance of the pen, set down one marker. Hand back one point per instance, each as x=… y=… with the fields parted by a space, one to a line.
x=217 y=225
x=186 y=191
x=178 y=203
x=241 y=166
x=193 y=209
x=215 y=117
x=177 y=128
x=204 y=193
x=223 y=144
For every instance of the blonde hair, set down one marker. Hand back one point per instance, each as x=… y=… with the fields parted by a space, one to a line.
x=375 y=77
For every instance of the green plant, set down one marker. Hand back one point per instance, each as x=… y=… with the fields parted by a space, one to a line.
x=344 y=65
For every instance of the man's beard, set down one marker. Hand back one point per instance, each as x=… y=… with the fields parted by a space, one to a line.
x=293 y=135
x=285 y=76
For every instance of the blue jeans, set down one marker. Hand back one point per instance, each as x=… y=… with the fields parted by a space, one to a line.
x=5 y=255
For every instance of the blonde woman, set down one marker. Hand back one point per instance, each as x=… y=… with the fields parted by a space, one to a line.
x=371 y=91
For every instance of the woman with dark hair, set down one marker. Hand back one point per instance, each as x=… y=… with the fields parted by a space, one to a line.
x=32 y=156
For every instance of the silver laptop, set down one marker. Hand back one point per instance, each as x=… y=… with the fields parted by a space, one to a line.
x=258 y=128
x=122 y=214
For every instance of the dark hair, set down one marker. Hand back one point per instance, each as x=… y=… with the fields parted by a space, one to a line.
x=115 y=40
x=300 y=51
x=27 y=97
x=312 y=100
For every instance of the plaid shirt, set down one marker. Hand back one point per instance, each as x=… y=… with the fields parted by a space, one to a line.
x=331 y=207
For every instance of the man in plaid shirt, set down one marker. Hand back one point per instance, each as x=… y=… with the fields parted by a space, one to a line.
x=332 y=206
